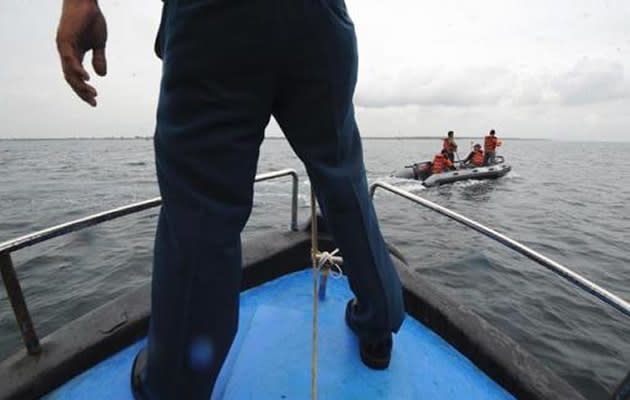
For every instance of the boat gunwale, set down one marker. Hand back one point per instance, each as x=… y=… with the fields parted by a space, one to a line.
x=81 y=344
x=97 y=335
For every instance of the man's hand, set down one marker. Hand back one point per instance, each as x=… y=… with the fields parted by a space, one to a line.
x=82 y=28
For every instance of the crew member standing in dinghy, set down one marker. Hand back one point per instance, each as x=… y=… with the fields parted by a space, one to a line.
x=228 y=66
x=449 y=145
x=490 y=144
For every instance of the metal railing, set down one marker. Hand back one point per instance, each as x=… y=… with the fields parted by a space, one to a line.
x=576 y=279
x=9 y=276
x=294 y=194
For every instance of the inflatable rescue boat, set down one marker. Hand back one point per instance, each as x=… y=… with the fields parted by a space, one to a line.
x=422 y=172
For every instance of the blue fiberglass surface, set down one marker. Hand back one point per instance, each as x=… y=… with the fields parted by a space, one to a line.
x=271 y=356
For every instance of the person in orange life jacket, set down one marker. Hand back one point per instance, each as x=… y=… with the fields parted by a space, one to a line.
x=441 y=163
x=476 y=157
x=449 y=145
x=490 y=144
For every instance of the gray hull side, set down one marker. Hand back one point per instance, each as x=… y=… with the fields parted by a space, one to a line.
x=491 y=172
x=406 y=173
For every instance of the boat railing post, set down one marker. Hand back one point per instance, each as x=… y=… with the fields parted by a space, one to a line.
x=20 y=310
x=294 y=195
x=373 y=188
x=294 y=201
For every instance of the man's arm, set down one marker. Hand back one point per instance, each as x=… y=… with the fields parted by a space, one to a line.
x=82 y=28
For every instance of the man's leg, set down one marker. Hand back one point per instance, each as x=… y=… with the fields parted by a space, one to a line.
x=493 y=158
x=314 y=109
x=214 y=103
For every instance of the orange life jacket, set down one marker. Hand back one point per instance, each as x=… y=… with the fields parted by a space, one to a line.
x=490 y=143
x=449 y=145
x=440 y=163
x=477 y=158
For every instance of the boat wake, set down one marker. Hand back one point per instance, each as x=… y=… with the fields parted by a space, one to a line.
x=403 y=183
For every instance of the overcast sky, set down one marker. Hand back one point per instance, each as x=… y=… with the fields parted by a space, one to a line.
x=555 y=69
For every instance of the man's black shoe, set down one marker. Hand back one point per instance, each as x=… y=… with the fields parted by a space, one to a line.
x=139 y=363
x=375 y=353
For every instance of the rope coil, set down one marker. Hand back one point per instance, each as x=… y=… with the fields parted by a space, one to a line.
x=327 y=264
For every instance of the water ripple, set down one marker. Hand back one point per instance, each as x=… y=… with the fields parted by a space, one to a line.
x=578 y=216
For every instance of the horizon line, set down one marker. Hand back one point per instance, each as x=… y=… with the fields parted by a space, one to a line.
x=269 y=137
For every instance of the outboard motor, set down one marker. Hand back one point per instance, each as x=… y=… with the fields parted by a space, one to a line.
x=421 y=171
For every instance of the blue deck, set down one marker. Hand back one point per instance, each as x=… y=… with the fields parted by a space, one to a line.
x=271 y=357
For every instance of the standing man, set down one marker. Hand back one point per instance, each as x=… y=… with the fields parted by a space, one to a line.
x=490 y=144
x=227 y=67
x=449 y=145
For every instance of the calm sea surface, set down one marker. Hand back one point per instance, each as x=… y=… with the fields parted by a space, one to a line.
x=570 y=201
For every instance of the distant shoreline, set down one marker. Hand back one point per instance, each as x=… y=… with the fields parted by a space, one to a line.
x=283 y=138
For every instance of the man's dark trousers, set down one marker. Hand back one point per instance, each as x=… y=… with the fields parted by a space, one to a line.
x=489 y=157
x=228 y=65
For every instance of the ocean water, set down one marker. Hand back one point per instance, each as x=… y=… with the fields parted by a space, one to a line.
x=570 y=201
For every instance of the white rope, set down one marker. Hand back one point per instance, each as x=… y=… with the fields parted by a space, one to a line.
x=314 y=339
x=329 y=258
x=314 y=252
x=320 y=261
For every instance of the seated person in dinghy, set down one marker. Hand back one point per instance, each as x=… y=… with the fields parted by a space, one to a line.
x=475 y=158
x=441 y=163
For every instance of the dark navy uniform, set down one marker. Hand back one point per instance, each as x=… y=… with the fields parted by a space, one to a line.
x=228 y=65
